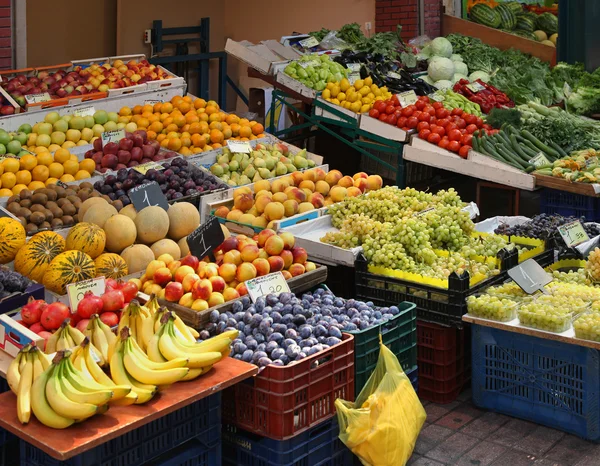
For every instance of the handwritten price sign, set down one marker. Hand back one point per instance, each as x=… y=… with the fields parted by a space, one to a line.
x=573 y=233
x=262 y=286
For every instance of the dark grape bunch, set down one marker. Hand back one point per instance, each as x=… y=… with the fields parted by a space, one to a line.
x=12 y=282
x=178 y=179
x=544 y=226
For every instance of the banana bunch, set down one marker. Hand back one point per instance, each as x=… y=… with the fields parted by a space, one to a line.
x=22 y=371
x=153 y=324
x=133 y=317
x=61 y=395
x=101 y=336
x=84 y=361
x=67 y=337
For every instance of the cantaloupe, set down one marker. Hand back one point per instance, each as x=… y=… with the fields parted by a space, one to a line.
x=120 y=232
x=87 y=204
x=184 y=218
x=137 y=257
x=183 y=246
x=547 y=42
x=541 y=35
x=152 y=224
x=166 y=246
x=129 y=211
x=98 y=214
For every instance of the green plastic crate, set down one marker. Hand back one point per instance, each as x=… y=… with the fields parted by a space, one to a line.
x=398 y=334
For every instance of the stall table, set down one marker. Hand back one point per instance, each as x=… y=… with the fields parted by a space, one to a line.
x=118 y=420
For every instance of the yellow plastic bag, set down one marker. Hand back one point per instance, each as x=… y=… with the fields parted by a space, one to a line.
x=382 y=425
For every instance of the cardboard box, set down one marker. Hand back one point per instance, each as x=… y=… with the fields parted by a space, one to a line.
x=14 y=336
x=268 y=57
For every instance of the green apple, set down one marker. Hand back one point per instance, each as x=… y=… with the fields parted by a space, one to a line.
x=21 y=137
x=2 y=149
x=98 y=130
x=4 y=138
x=14 y=147
x=77 y=123
x=61 y=125
x=25 y=128
x=87 y=134
x=101 y=117
x=58 y=137
x=51 y=117
x=113 y=116
x=45 y=128
x=110 y=126
x=73 y=135
x=89 y=121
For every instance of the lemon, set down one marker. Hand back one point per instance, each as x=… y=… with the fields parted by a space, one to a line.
x=377 y=93
x=330 y=85
x=326 y=94
x=355 y=107
x=347 y=104
x=366 y=100
x=370 y=95
x=383 y=89
x=364 y=91
x=341 y=96
x=379 y=97
x=368 y=81
x=374 y=87
x=344 y=84
x=365 y=108
x=335 y=90
x=353 y=97
x=335 y=101
x=358 y=84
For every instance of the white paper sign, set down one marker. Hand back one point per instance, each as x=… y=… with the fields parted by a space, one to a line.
x=407 y=98
x=239 y=146
x=262 y=286
x=36 y=98
x=112 y=136
x=309 y=42
x=85 y=111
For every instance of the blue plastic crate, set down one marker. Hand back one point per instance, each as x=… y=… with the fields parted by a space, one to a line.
x=318 y=446
x=193 y=453
x=200 y=420
x=544 y=381
x=5 y=436
x=569 y=204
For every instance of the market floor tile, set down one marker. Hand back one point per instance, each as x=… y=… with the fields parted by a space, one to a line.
x=463 y=435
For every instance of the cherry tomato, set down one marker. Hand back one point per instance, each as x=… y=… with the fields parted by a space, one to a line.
x=471 y=128
x=461 y=123
x=392 y=119
x=423 y=116
x=412 y=122
x=424 y=133
x=444 y=143
x=467 y=140
x=383 y=117
x=437 y=105
x=464 y=151
x=454 y=135
x=454 y=146
x=479 y=122
x=439 y=130
x=390 y=109
x=374 y=113
x=420 y=104
x=470 y=119
x=401 y=122
x=434 y=138
x=407 y=111
x=457 y=111
x=422 y=125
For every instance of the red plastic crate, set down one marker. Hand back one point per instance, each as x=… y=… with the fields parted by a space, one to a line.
x=281 y=402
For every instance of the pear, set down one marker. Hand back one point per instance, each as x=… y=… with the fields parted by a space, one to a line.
x=264 y=173
x=280 y=169
x=300 y=162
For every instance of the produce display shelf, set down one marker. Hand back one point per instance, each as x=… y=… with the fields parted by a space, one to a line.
x=16 y=300
x=335 y=114
x=540 y=380
x=282 y=402
x=319 y=445
x=570 y=204
x=560 y=184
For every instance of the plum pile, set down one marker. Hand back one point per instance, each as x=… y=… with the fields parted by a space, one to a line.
x=544 y=226
x=12 y=282
x=282 y=329
x=178 y=179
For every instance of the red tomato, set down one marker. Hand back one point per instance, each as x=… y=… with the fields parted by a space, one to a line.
x=467 y=140
x=443 y=121
x=488 y=127
x=398 y=112
x=444 y=143
x=464 y=151
x=394 y=100
x=423 y=116
x=420 y=105
x=457 y=111
x=422 y=125
x=417 y=113
x=407 y=111
x=437 y=105
x=401 y=122
x=383 y=117
x=470 y=119
x=471 y=128
x=450 y=126
x=441 y=113
x=379 y=106
x=412 y=122
x=454 y=146
x=424 y=98
x=374 y=113
x=439 y=130
x=434 y=138
x=431 y=111
x=390 y=109
x=461 y=123
x=479 y=122
x=412 y=107
x=428 y=108
x=424 y=133
x=392 y=119
x=454 y=134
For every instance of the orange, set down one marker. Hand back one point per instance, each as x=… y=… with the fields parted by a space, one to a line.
x=160 y=137
x=185 y=128
x=82 y=175
x=230 y=119
x=207 y=148
x=214 y=117
x=227 y=132
x=172 y=134
x=86 y=164
x=210 y=109
x=204 y=127
x=199 y=103
x=8 y=180
x=23 y=177
x=172 y=128
x=257 y=128
x=156 y=126
x=125 y=111
x=164 y=116
x=261 y=135
x=244 y=139
x=235 y=129
x=203 y=116
x=143 y=123
x=166 y=107
x=198 y=140
x=49 y=181
x=216 y=145
x=36 y=185
x=185 y=134
x=196 y=150
x=222 y=116
x=67 y=178
x=175 y=99
x=137 y=109
x=45 y=158
x=187 y=98
x=124 y=119
x=183 y=106
x=174 y=144
x=186 y=141
x=164 y=143
x=148 y=108
x=151 y=135
x=18 y=188
x=146 y=115
x=216 y=125
x=154 y=117
x=11 y=165
x=5 y=192
x=243 y=121
x=1 y=168
x=185 y=151
x=216 y=136
x=42 y=173
x=195 y=128
x=167 y=121
x=71 y=167
x=245 y=131
x=213 y=103
x=179 y=120
x=191 y=118
x=136 y=118
x=28 y=162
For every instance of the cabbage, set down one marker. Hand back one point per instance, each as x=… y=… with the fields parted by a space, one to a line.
x=460 y=67
x=441 y=69
x=479 y=75
x=441 y=47
x=456 y=57
x=425 y=52
x=458 y=76
x=443 y=84
x=432 y=59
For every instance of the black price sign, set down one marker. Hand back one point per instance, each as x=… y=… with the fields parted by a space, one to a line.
x=530 y=276
x=204 y=239
x=147 y=195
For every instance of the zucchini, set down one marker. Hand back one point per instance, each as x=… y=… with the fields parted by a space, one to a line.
x=558 y=149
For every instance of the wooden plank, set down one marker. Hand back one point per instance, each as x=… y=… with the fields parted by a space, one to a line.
x=497 y=38
x=553 y=182
x=513 y=326
x=118 y=420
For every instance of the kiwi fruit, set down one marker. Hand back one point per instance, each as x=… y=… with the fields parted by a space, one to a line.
x=87 y=185
x=106 y=198
x=23 y=221
x=26 y=203
x=39 y=198
x=69 y=209
x=57 y=212
x=57 y=223
x=24 y=212
x=76 y=218
x=13 y=199
x=61 y=202
x=67 y=220
x=51 y=193
x=117 y=205
x=73 y=199
x=37 y=208
x=95 y=194
x=37 y=217
x=83 y=195
x=31 y=228
x=14 y=207
x=51 y=204
x=49 y=215
x=70 y=192
x=45 y=226
x=60 y=192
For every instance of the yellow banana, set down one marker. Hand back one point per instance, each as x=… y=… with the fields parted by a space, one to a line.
x=40 y=406
x=44 y=358
x=51 y=343
x=120 y=376
x=99 y=340
x=138 y=353
x=108 y=333
x=147 y=331
x=75 y=335
x=123 y=322
x=13 y=374
x=139 y=325
x=63 y=405
x=137 y=368
x=153 y=350
x=24 y=394
x=194 y=332
x=83 y=381
x=183 y=329
x=170 y=351
x=68 y=387
x=38 y=367
x=194 y=373
x=152 y=304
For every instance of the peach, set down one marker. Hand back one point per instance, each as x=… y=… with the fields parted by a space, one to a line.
x=322 y=187
x=247 y=219
x=286 y=274
x=243 y=190
x=296 y=269
x=230 y=294
x=202 y=289
x=262 y=266
x=229 y=244
x=374 y=182
x=328 y=202
x=288 y=189
x=352 y=191
x=190 y=260
x=361 y=183
x=234 y=215
x=166 y=258
x=245 y=242
x=338 y=193
x=215 y=299
x=280 y=197
x=199 y=305
x=181 y=273
x=241 y=289
x=243 y=202
x=162 y=276
x=262 y=254
x=153 y=266
x=297 y=195
x=310 y=266
x=307 y=184
x=310 y=175
x=260 y=222
x=300 y=255
x=279 y=185
x=333 y=177
x=274 y=245
x=211 y=270
x=307 y=192
x=218 y=283
x=262 y=184
x=320 y=174
x=290 y=207
x=288 y=240
x=276 y=263
x=358 y=175
x=222 y=211
x=173 y=292
x=189 y=281
x=245 y=271
x=298 y=178
x=274 y=211
x=261 y=203
x=305 y=207
x=288 y=258
x=232 y=257
x=232 y=284
x=200 y=270
x=263 y=236
x=250 y=252
x=316 y=199
x=262 y=193
x=173 y=266
x=346 y=181
x=187 y=300
x=227 y=271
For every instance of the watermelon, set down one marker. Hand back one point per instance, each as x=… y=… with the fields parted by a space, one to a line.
x=507 y=17
x=484 y=14
x=525 y=23
x=548 y=23
x=516 y=7
x=526 y=34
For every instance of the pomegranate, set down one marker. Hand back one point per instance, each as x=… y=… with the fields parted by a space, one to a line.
x=36 y=328
x=112 y=284
x=89 y=305
x=129 y=290
x=32 y=311
x=109 y=318
x=113 y=300
x=54 y=315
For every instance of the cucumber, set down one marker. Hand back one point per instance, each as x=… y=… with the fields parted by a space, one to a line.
x=558 y=149
x=539 y=144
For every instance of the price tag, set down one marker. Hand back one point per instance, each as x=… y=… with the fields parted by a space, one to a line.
x=313 y=63
x=407 y=98
x=76 y=291
x=143 y=168
x=152 y=102
x=596 y=188
x=146 y=195
x=539 y=160
x=353 y=77
x=353 y=66
x=112 y=136
x=36 y=98
x=475 y=87
x=530 y=276
x=239 y=146
x=436 y=97
x=206 y=238
x=85 y=111
x=423 y=212
x=573 y=233
x=309 y=42
x=393 y=75
x=262 y=286
x=567 y=91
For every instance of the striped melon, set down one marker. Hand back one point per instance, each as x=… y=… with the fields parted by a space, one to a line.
x=110 y=266
x=33 y=259
x=508 y=19
x=68 y=267
x=483 y=14
x=88 y=238
x=12 y=236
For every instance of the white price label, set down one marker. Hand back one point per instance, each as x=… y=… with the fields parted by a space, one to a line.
x=436 y=97
x=573 y=233
x=539 y=160
x=239 y=146
x=112 y=136
x=393 y=75
x=596 y=188
x=85 y=111
x=313 y=63
x=309 y=42
x=472 y=209
x=76 y=291
x=262 y=286
x=407 y=98
x=476 y=87
x=353 y=77
x=152 y=102
x=143 y=168
x=353 y=66
x=36 y=98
